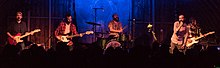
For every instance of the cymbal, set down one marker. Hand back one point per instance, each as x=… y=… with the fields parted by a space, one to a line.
x=92 y=23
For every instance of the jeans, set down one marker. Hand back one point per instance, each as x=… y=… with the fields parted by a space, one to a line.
x=173 y=46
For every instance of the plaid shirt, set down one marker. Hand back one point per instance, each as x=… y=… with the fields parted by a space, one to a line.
x=61 y=28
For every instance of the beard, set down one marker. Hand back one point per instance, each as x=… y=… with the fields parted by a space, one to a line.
x=182 y=21
x=116 y=19
x=18 y=19
x=68 y=22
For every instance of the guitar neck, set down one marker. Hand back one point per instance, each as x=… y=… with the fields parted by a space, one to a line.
x=29 y=33
x=76 y=35
x=201 y=36
x=25 y=35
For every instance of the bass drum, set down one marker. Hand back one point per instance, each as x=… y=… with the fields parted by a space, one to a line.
x=112 y=43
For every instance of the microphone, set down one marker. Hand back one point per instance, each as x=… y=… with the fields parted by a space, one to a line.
x=181 y=23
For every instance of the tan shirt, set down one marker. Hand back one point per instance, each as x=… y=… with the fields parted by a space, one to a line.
x=178 y=36
x=115 y=25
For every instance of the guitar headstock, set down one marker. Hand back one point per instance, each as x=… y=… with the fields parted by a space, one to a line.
x=149 y=26
x=36 y=30
x=89 y=32
x=211 y=32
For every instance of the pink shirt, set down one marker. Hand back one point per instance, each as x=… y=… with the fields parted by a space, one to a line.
x=178 y=36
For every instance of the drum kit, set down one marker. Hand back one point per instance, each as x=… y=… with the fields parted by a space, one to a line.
x=105 y=41
x=103 y=38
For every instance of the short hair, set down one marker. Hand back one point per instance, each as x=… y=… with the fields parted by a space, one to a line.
x=181 y=15
x=192 y=19
x=115 y=14
x=19 y=12
x=68 y=14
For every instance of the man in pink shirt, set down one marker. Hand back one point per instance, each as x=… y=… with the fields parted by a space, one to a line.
x=180 y=34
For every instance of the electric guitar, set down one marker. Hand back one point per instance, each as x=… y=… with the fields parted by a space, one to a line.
x=13 y=40
x=65 y=38
x=194 y=40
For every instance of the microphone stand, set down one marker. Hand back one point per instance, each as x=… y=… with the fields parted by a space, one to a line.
x=47 y=46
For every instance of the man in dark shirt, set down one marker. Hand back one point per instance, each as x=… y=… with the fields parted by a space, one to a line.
x=17 y=28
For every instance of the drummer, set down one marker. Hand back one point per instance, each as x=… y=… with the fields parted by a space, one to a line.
x=115 y=27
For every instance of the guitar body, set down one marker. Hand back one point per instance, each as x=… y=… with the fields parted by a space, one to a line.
x=191 y=41
x=17 y=40
x=64 y=39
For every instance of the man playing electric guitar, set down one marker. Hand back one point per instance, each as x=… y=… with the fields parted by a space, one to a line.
x=195 y=34
x=66 y=28
x=192 y=45
x=17 y=28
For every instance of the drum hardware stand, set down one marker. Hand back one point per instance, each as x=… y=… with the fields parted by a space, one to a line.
x=94 y=26
x=47 y=46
